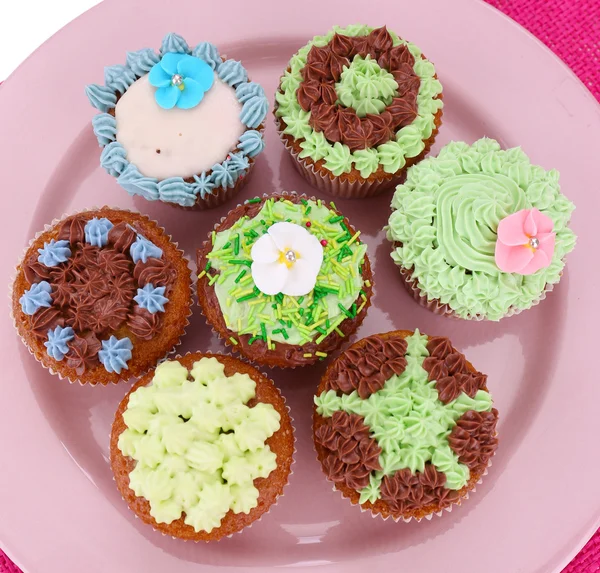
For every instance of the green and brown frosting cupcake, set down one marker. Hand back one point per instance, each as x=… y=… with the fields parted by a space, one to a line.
x=284 y=279
x=356 y=107
x=404 y=425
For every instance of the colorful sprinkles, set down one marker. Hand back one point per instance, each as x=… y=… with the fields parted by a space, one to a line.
x=339 y=292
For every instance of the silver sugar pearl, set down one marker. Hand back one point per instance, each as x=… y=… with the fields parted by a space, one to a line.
x=290 y=256
x=177 y=80
x=534 y=242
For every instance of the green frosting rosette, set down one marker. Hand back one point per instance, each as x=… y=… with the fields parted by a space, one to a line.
x=479 y=232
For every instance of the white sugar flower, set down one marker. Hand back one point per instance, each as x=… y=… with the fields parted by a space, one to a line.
x=286 y=259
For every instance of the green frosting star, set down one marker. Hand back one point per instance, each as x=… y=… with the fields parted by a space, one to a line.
x=409 y=421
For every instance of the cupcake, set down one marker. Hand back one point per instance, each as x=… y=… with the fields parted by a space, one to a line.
x=201 y=447
x=183 y=126
x=101 y=296
x=357 y=107
x=284 y=280
x=479 y=232
x=404 y=425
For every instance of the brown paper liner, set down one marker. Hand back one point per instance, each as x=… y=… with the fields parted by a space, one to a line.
x=217 y=534
x=81 y=380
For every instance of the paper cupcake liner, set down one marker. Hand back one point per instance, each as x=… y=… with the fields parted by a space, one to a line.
x=442 y=309
x=427 y=517
x=277 y=500
x=348 y=339
x=38 y=357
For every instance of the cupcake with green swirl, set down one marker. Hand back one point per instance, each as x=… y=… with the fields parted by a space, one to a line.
x=356 y=107
x=479 y=232
x=182 y=125
x=404 y=425
x=284 y=279
x=202 y=447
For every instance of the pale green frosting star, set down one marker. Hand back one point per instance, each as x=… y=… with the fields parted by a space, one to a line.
x=198 y=447
x=408 y=421
x=446 y=216
x=391 y=155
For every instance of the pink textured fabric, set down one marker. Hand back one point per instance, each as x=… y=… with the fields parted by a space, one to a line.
x=571 y=28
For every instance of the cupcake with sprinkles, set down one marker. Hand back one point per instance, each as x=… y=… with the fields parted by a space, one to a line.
x=101 y=296
x=479 y=232
x=356 y=107
x=404 y=425
x=284 y=279
x=182 y=125
x=202 y=447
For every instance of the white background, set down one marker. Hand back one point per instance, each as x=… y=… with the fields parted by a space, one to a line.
x=26 y=24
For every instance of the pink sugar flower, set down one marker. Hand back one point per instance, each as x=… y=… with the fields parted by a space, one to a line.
x=525 y=242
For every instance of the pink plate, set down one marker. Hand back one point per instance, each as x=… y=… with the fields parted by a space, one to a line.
x=60 y=509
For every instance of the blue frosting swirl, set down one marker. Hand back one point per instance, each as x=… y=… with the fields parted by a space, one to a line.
x=118 y=78
x=176 y=190
x=248 y=90
x=137 y=184
x=251 y=143
x=254 y=111
x=143 y=249
x=174 y=43
x=238 y=164
x=114 y=158
x=151 y=298
x=203 y=184
x=36 y=297
x=54 y=253
x=96 y=231
x=105 y=128
x=57 y=343
x=101 y=97
x=223 y=175
x=232 y=72
x=207 y=52
x=141 y=61
x=115 y=353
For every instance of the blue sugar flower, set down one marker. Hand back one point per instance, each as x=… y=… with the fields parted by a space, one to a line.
x=115 y=354
x=96 y=231
x=36 y=297
x=54 y=253
x=58 y=338
x=181 y=80
x=143 y=249
x=151 y=298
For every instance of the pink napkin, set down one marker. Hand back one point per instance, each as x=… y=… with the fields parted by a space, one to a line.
x=571 y=29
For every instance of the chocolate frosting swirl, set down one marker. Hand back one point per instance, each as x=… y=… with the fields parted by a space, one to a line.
x=72 y=230
x=83 y=352
x=405 y=491
x=34 y=271
x=44 y=320
x=473 y=439
x=367 y=369
x=351 y=454
x=121 y=237
x=155 y=271
x=143 y=323
x=450 y=371
x=317 y=94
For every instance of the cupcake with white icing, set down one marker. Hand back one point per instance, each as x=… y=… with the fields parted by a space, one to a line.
x=183 y=125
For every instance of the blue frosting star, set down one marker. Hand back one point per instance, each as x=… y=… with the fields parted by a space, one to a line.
x=58 y=338
x=96 y=231
x=181 y=80
x=142 y=249
x=36 y=297
x=54 y=253
x=115 y=353
x=151 y=298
